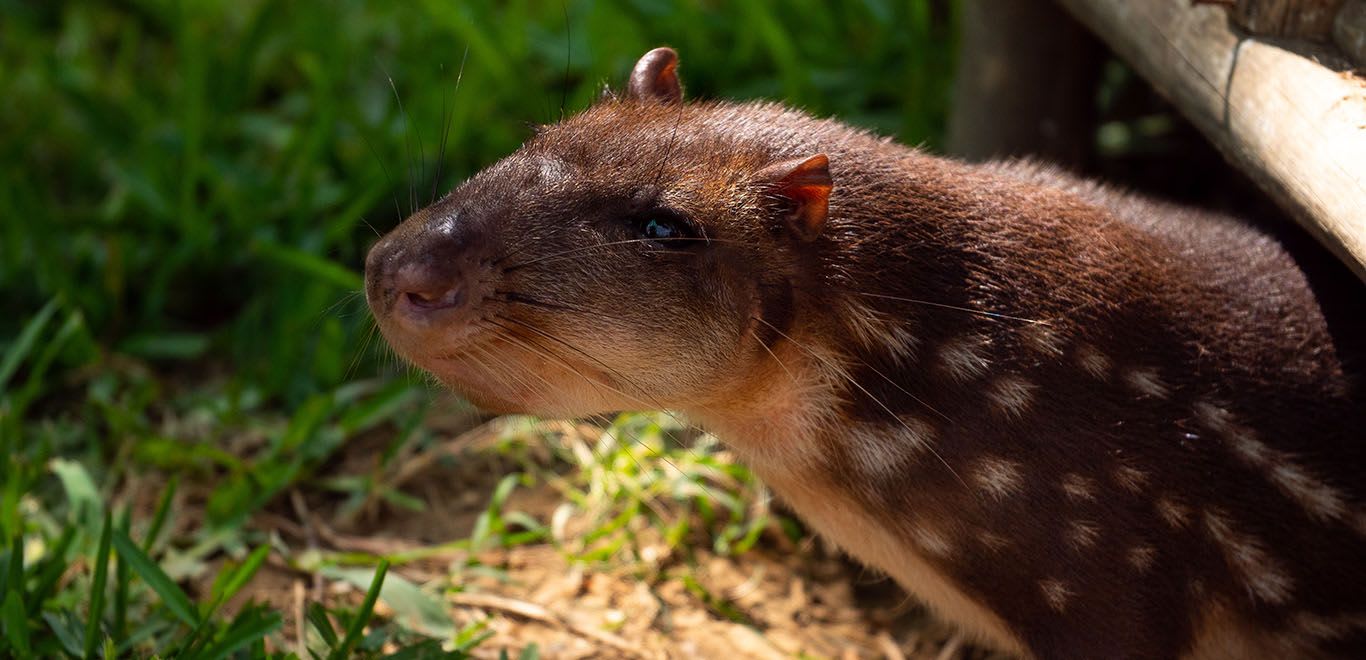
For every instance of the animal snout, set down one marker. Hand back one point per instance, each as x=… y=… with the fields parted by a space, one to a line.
x=423 y=273
x=426 y=287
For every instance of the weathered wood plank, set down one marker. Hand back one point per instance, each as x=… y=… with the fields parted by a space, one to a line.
x=1296 y=126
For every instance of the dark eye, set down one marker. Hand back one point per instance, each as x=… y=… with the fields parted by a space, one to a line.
x=670 y=231
x=656 y=228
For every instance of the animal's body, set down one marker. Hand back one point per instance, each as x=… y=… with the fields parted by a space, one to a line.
x=1075 y=422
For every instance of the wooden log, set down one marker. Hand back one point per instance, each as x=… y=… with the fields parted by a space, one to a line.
x=1306 y=19
x=1296 y=125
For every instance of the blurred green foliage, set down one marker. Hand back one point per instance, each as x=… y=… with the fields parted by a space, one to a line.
x=187 y=191
x=201 y=179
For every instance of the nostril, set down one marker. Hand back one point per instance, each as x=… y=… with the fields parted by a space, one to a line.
x=451 y=297
x=425 y=287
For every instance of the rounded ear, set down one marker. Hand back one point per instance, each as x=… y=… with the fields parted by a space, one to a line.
x=655 y=77
x=805 y=184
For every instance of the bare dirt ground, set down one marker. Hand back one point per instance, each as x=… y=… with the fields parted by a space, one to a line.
x=781 y=599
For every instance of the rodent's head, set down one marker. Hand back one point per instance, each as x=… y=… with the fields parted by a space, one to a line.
x=635 y=256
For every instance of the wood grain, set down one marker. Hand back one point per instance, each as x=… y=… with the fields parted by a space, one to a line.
x=1296 y=126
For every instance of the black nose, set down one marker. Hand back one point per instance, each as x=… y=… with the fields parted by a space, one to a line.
x=424 y=271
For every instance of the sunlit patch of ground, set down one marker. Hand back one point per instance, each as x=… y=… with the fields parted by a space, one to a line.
x=599 y=549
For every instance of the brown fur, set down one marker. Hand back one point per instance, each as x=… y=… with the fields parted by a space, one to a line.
x=1077 y=422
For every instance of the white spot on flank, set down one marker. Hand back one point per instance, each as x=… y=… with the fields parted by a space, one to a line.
x=1249 y=561
x=993 y=542
x=1082 y=534
x=1130 y=478
x=1320 y=500
x=1011 y=395
x=1078 y=488
x=881 y=452
x=1329 y=627
x=1317 y=498
x=553 y=171
x=875 y=330
x=1147 y=383
x=1172 y=512
x=931 y=541
x=963 y=359
x=1142 y=557
x=1213 y=417
x=997 y=476
x=1056 y=593
x=1093 y=361
x=1043 y=339
x=1248 y=447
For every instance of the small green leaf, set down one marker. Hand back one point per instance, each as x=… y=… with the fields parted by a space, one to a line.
x=317 y=616
x=96 y=615
x=159 y=518
x=166 y=346
x=414 y=609
x=367 y=609
x=12 y=579
x=148 y=630
x=171 y=594
x=504 y=489
x=80 y=489
x=23 y=345
x=386 y=404
x=472 y=636
x=67 y=629
x=319 y=268
x=15 y=624
x=241 y=575
x=121 y=580
x=251 y=625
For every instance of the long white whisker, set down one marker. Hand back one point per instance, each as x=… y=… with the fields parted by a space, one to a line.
x=967 y=310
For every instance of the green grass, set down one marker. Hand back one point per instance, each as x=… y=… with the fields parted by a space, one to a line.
x=187 y=191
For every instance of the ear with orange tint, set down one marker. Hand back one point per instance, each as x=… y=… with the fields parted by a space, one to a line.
x=655 y=77
x=805 y=184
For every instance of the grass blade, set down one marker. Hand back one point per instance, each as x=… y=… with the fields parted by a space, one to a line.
x=230 y=584
x=243 y=573
x=317 y=616
x=92 y=623
x=13 y=577
x=121 y=580
x=319 y=268
x=15 y=624
x=67 y=629
x=25 y=342
x=412 y=608
x=84 y=498
x=171 y=594
x=159 y=518
x=250 y=626
x=367 y=609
